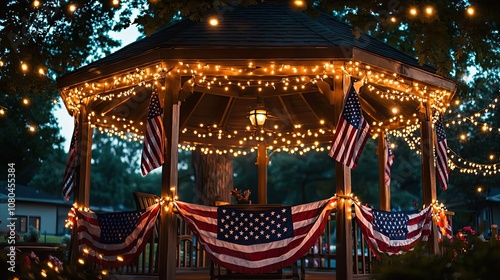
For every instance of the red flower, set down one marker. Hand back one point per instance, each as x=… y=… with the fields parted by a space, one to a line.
x=27 y=261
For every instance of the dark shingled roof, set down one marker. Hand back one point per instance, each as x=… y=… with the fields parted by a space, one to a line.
x=261 y=35
x=268 y=24
x=24 y=193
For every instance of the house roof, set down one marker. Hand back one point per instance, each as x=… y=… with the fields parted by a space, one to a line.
x=268 y=52
x=27 y=194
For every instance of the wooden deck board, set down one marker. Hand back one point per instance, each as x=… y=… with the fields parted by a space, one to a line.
x=204 y=274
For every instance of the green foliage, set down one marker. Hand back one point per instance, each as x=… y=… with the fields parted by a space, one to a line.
x=55 y=40
x=33 y=266
x=472 y=259
x=33 y=235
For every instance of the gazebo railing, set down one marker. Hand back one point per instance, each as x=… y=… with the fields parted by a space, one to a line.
x=323 y=255
x=190 y=254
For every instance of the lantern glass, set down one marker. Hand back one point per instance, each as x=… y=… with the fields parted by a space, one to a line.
x=258 y=117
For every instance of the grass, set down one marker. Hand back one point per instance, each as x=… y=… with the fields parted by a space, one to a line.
x=46 y=238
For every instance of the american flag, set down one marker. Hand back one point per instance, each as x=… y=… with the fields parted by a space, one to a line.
x=441 y=154
x=114 y=239
x=445 y=228
x=153 y=147
x=389 y=157
x=69 y=181
x=351 y=132
x=256 y=239
x=393 y=232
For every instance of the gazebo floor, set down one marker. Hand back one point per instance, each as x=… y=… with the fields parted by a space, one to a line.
x=204 y=274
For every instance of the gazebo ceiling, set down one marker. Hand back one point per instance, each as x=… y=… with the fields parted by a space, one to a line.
x=269 y=53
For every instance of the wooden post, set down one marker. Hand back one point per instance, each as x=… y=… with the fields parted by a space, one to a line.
x=168 y=227
x=343 y=216
x=428 y=168
x=82 y=191
x=262 y=173
x=384 y=190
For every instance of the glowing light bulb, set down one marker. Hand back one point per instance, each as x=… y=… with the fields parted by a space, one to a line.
x=116 y=2
x=413 y=11
x=429 y=10
x=36 y=4
x=298 y=3
x=213 y=21
x=26 y=101
x=72 y=8
x=24 y=67
x=471 y=11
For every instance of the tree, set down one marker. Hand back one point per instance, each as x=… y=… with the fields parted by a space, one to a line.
x=41 y=40
x=213 y=177
x=460 y=38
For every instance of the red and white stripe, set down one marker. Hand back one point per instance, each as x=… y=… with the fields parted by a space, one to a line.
x=442 y=164
x=109 y=255
x=349 y=142
x=308 y=222
x=419 y=227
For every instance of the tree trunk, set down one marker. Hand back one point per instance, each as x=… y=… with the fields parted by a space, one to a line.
x=213 y=177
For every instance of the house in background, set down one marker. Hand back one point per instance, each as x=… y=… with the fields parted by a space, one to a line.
x=45 y=212
x=479 y=212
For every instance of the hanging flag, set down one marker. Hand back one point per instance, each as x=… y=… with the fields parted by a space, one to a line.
x=444 y=224
x=351 y=132
x=114 y=239
x=69 y=180
x=153 y=147
x=389 y=157
x=258 y=240
x=441 y=154
x=393 y=232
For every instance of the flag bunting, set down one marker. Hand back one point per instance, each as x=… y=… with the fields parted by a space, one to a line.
x=255 y=239
x=393 y=232
x=114 y=239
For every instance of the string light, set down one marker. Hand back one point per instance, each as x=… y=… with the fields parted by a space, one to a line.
x=471 y=11
x=248 y=78
x=72 y=8
x=213 y=21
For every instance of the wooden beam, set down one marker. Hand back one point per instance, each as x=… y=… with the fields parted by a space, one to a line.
x=384 y=190
x=428 y=168
x=168 y=228
x=262 y=173
x=343 y=187
x=84 y=155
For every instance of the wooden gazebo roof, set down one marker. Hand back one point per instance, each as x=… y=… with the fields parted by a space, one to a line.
x=269 y=52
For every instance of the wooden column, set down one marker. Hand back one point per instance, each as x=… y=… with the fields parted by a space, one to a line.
x=168 y=228
x=82 y=191
x=343 y=216
x=262 y=173
x=384 y=190
x=428 y=168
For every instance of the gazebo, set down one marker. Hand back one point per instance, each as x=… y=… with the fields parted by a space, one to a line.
x=266 y=60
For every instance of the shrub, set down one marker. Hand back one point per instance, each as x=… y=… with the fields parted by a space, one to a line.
x=464 y=257
x=33 y=235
